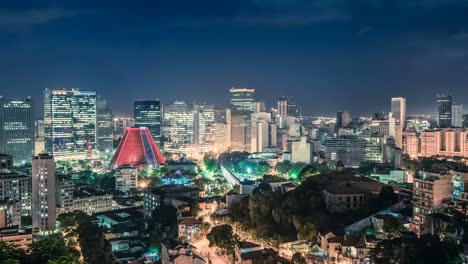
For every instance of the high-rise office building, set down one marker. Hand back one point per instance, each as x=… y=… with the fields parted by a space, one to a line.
x=342 y=119
x=17 y=129
x=147 y=113
x=204 y=118
x=288 y=107
x=399 y=110
x=444 y=103
x=104 y=130
x=179 y=128
x=70 y=123
x=457 y=115
x=43 y=198
x=241 y=104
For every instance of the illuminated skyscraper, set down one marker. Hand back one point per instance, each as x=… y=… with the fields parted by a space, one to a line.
x=204 y=118
x=288 y=107
x=17 y=129
x=241 y=104
x=399 y=110
x=43 y=197
x=70 y=123
x=457 y=115
x=148 y=114
x=179 y=128
x=104 y=135
x=444 y=102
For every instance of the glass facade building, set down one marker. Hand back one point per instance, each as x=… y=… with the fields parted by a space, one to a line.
x=241 y=104
x=148 y=114
x=444 y=103
x=179 y=128
x=105 y=127
x=70 y=123
x=17 y=129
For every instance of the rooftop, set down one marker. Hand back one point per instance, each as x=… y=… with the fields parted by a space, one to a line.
x=190 y=220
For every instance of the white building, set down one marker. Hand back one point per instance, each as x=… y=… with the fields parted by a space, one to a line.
x=43 y=194
x=302 y=151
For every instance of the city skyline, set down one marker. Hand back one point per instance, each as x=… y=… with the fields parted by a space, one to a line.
x=432 y=105
x=338 y=51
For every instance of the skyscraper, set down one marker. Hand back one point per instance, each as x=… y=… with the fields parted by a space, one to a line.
x=147 y=113
x=288 y=107
x=204 y=116
x=241 y=104
x=70 y=123
x=399 y=110
x=17 y=129
x=179 y=128
x=43 y=198
x=342 y=119
x=444 y=103
x=457 y=115
x=104 y=131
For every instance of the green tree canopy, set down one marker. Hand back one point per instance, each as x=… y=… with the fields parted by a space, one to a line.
x=222 y=236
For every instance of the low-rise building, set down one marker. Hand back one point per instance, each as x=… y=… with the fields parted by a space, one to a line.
x=91 y=201
x=182 y=164
x=188 y=226
x=126 y=178
x=175 y=195
x=248 y=252
x=16 y=236
x=348 y=196
x=175 y=252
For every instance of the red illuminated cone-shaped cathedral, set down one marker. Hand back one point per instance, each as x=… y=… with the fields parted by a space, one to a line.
x=137 y=147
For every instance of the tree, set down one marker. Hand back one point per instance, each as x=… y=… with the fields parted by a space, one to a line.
x=69 y=259
x=222 y=237
x=164 y=216
x=283 y=167
x=210 y=162
x=307 y=171
x=427 y=249
x=308 y=233
x=163 y=223
x=49 y=248
x=11 y=254
x=204 y=227
x=297 y=258
x=194 y=207
x=262 y=187
x=392 y=226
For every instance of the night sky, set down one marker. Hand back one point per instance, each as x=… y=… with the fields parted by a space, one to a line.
x=330 y=54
